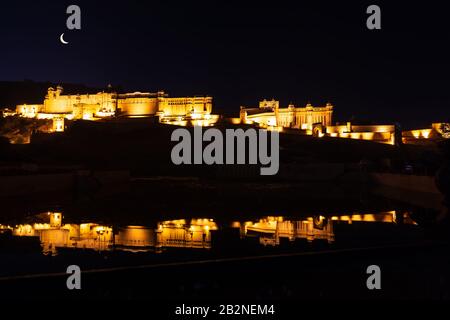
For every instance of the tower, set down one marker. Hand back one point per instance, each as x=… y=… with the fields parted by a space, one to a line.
x=55 y=219
x=59 y=91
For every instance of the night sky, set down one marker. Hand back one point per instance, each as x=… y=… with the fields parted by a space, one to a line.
x=241 y=52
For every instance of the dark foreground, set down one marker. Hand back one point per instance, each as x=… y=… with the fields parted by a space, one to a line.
x=413 y=263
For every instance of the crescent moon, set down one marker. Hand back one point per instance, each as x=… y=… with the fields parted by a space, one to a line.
x=61 y=38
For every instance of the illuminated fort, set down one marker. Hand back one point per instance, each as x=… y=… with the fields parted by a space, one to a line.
x=183 y=111
x=318 y=122
x=104 y=105
x=269 y=114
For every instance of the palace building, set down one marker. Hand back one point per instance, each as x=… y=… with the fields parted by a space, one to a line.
x=197 y=111
x=269 y=114
x=103 y=105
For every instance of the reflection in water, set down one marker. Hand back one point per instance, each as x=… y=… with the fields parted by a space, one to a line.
x=177 y=233
x=174 y=233
x=389 y=217
x=54 y=234
x=4 y=228
x=271 y=229
x=182 y=233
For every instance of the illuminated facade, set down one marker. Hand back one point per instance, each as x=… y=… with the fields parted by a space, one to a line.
x=58 y=124
x=387 y=133
x=269 y=114
x=436 y=132
x=317 y=121
x=6 y=112
x=104 y=105
x=377 y=133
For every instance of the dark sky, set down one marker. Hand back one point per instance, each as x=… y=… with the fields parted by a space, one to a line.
x=241 y=52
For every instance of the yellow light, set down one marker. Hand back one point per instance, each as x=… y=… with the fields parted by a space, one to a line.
x=426 y=133
x=236 y=224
